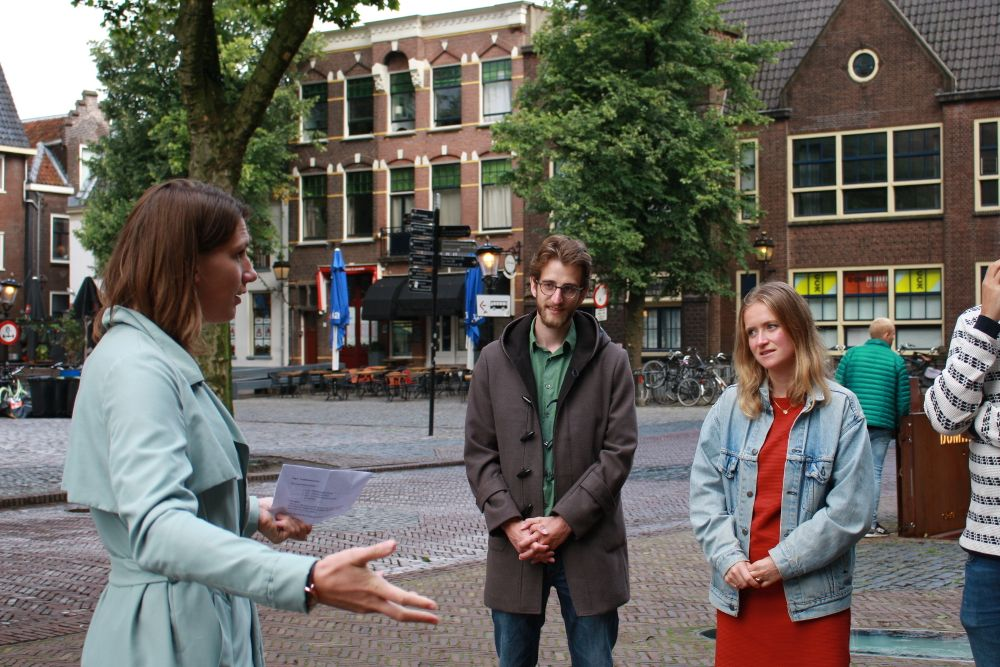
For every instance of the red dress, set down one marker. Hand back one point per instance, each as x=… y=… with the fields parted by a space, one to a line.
x=763 y=634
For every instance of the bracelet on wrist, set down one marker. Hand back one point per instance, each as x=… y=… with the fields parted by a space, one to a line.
x=310 y=590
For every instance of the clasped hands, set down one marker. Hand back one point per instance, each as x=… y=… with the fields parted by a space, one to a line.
x=759 y=574
x=536 y=539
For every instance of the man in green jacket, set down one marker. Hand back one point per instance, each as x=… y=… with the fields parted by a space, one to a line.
x=878 y=376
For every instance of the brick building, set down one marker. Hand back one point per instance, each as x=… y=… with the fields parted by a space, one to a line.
x=402 y=114
x=878 y=177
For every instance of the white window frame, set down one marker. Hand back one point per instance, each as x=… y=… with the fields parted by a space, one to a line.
x=977 y=166
x=842 y=324
x=52 y=239
x=3 y=173
x=55 y=293
x=458 y=189
x=252 y=332
x=390 y=195
x=482 y=199
x=850 y=66
x=3 y=252
x=434 y=122
x=889 y=184
x=347 y=108
x=753 y=194
x=388 y=105
x=302 y=212
x=347 y=238
x=482 y=92
x=303 y=138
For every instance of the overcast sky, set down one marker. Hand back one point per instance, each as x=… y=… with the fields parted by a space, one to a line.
x=45 y=55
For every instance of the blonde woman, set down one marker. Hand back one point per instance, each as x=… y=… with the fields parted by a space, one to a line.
x=781 y=490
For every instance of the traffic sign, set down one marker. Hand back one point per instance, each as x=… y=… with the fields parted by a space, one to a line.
x=10 y=333
x=493 y=305
x=422 y=228
x=453 y=231
x=417 y=285
x=420 y=214
x=601 y=294
x=457 y=262
x=458 y=246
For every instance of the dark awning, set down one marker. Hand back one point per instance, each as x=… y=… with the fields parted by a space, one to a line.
x=450 y=294
x=391 y=299
x=380 y=299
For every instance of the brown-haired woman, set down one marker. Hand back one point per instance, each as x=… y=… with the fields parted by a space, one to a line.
x=162 y=465
x=781 y=490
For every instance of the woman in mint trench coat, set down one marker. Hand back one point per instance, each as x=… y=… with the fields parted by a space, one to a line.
x=162 y=465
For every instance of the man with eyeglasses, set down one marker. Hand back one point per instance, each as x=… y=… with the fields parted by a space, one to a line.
x=550 y=432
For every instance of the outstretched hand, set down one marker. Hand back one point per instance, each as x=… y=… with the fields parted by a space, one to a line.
x=281 y=527
x=343 y=580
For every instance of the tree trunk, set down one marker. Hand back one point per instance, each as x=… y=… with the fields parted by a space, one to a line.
x=634 y=327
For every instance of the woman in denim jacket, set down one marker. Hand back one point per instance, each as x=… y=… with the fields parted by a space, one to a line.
x=781 y=492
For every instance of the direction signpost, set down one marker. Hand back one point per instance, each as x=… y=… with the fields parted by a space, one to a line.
x=432 y=246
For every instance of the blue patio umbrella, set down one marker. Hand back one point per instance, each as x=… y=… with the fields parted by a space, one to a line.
x=473 y=287
x=340 y=308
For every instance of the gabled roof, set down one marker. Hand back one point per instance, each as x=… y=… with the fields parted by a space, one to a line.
x=46 y=130
x=46 y=170
x=963 y=33
x=11 y=130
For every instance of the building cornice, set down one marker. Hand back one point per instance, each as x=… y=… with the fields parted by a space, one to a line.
x=19 y=150
x=438 y=25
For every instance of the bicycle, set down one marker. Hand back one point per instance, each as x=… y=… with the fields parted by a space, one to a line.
x=921 y=365
x=15 y=400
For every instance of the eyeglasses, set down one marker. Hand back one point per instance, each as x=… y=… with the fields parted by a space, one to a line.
x=549 y=288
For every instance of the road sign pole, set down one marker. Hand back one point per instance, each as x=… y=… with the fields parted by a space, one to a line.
x=434 y=328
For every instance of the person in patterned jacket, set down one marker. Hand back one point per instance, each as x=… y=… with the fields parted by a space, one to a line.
x=966 y=398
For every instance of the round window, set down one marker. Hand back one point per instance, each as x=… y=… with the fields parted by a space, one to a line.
x=863 y=66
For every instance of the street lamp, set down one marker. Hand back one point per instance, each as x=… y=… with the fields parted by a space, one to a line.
x=763 y=250
x=488 y=256
x=8 y=293
x=280 y=268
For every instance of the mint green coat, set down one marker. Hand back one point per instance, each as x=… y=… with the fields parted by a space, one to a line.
x=162 y=466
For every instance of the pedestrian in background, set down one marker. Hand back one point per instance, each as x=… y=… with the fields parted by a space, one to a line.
x=550 y=432
x=162 y=465
x=965 y=398
x=878 y=377
x=780 y=493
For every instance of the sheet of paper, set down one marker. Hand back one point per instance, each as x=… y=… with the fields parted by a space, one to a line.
x=316 y=494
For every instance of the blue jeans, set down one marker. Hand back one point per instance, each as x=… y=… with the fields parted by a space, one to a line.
x=880 y=439
x=981 y=608
x=591 y=638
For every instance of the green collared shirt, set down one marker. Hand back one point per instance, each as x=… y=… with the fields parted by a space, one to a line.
x=550 y=370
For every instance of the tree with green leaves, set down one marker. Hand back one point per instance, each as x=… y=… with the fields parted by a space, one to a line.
x=201 y=88
x=636 y=107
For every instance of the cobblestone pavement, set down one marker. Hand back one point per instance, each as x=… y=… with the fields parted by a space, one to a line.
x=54 y=566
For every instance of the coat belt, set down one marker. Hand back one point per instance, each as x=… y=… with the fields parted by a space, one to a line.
x=126 y=572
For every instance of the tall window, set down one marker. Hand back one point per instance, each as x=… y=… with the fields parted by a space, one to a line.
x=314 y=122
x=661 y=329
x=86 y=155
x=3 y=173
x=879 y=173
x=360 y=106
x=987 y=173
x=401 y=102
x=313 y=208
x=60 y=238
x=497 y=195
x=3 y=262
x=448 y=95
x=496 y=89
x=446 y=180
x=401 y=339
x=401 y=196
x=748 y=180
x=866 y=294
x=261 y=324
x=359 y=204
x=819 y=289
x=918 y=294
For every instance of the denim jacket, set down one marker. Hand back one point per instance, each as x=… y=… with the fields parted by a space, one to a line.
x=827 y=498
